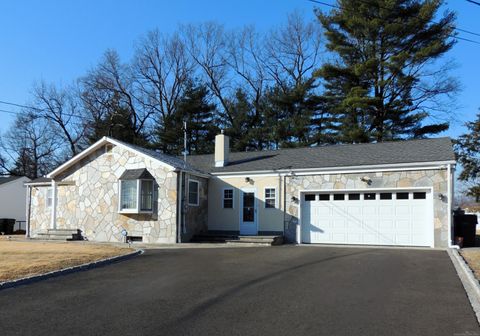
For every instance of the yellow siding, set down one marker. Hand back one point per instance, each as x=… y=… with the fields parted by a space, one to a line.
x=229 y=219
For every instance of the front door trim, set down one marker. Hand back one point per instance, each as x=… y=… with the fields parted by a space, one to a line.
x=255 y=205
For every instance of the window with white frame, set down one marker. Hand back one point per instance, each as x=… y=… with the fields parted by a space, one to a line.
x=270 y=198
x=228 y=198
x=193 y=192
x=146 y=198
x=49 y=197
x=136 y=191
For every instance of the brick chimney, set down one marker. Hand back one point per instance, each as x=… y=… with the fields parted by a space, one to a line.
x=222 y=150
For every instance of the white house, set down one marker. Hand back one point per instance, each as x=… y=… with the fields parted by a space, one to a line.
x=12 y=199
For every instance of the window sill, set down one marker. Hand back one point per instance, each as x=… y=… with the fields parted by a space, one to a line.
x=135 y=211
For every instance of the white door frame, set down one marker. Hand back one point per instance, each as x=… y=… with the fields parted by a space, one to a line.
x=255 y=212
x=430 y=210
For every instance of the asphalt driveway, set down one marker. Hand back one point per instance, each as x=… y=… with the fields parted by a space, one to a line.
x=283 y=290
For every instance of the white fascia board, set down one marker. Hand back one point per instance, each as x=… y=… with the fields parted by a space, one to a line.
x=340 y=170
x=103 y=141
x=146 y=156
x=78 y=157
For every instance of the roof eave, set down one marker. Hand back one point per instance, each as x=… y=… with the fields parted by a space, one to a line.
x=96 y=146
x=341 y=168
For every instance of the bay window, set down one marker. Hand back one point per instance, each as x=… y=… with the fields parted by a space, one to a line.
x=136 y=191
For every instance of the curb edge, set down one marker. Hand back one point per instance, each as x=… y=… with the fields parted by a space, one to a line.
x=68 y=270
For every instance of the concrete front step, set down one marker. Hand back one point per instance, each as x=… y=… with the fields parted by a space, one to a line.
x=59 y=234
x=232 y=239
x=45 y=236
x=247 y=243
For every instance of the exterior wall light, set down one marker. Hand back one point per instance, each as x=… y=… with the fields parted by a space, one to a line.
x=366 y=179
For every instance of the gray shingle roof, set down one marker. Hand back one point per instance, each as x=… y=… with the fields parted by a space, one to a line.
x=409 y=151
x=136 y=174
x=168 y=159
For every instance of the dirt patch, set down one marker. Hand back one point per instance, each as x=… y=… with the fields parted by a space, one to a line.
x=21 y=259
x=472 y=257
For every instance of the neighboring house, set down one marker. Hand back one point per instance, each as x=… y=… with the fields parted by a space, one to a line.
x=12 y=197
x=392 y=193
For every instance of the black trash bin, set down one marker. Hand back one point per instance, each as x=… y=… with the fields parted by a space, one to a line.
x=465 y=226
x=7 y=225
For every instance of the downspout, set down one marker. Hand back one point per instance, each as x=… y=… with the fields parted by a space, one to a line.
x=179 y=206
x=284 y=203
x=54 y=205
x=449 y=205
x=280 y=194
x=29 y=205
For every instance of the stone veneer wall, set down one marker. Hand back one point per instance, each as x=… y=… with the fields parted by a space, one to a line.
x=196 y=217
x=40 y=214
x=91 y=204
x=405 y=179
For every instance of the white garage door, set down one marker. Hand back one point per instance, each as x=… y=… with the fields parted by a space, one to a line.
x=376 y=218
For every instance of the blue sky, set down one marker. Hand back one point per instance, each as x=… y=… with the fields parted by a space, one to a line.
x=58 y=41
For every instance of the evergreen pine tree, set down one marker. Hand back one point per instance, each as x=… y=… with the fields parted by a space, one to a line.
x=194 y=108
x=296 y=116
x=199 y=113
x=467 y=148
x=380 y=86
x=116 y=123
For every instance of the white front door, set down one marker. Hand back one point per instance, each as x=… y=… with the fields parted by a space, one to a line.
x=387 y=217
x=248 y=212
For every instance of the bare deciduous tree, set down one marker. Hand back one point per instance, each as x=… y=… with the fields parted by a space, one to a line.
x=206 y=44
x=293 y=51
x=162 y=68
x=62 y=109
x=30 y=147
x=112 y=84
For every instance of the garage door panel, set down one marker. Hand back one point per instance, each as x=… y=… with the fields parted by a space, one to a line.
x=386 y=224
x=386 y=239
x=404 y=239
x=354 y=210
x=402 y=210
x=385 y=219
x=385 y=210
x=340 y=224
x=369 y=210
x=324 y=211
